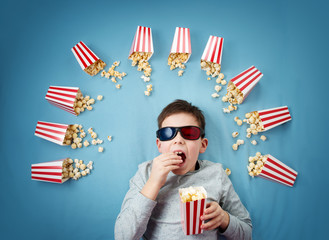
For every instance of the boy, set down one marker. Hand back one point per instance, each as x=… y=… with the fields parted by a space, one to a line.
x=151 y=206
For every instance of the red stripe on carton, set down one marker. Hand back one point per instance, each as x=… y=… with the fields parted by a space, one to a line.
x=53 y=132
x=277 y=171
x=63 y=97
x=182 y=41
x=247 y=80
x=214 y=49
x=84 y=55
x=143 y=41
x=273 y=117
x=190 y=215
x=48 y=171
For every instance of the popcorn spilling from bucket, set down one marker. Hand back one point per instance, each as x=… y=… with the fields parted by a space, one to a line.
x=60 y=171
x=180 y=50
x=140 y=53
x=70 y=99
x=87 y=60
x=268 y=167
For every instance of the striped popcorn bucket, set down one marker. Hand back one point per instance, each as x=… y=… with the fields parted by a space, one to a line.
x=48 y=171
x=143 y=41
x=214 y=49
x=53 y=132
x=273 y=117
x=278 y=172
x=182 y=42
x=190 y=215
x=247 y=80
x=63 y=97
x=84 y=55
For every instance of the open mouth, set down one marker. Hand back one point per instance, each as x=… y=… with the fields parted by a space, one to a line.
x=182 y=155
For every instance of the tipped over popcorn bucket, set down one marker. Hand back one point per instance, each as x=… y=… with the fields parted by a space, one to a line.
x=181 y=43
x=63 y=97
x=245 y=81
x=192 y=210
x=53 y=132
x=142 y=43
x=273 y=117
x=213 y=51
x=49 y=171
x=277 y=171
x=87 y=60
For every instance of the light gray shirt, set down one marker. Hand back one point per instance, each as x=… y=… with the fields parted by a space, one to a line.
x=141 y=217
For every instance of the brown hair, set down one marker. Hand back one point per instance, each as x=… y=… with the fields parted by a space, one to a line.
x=179 y=106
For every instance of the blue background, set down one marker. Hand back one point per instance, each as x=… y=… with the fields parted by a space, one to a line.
x=286 y=40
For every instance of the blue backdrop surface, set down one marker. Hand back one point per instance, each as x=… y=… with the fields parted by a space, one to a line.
x=286 y=40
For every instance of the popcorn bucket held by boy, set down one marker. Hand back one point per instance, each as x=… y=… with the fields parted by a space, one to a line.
x=192 y=206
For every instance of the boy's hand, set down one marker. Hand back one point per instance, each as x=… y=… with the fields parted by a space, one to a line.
x=161 y=166
x=217 y=217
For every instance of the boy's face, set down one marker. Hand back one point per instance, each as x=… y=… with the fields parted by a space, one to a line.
x=190 y=148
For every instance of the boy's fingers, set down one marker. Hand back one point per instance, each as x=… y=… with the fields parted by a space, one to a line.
x=210 y=208
x=209 y=216
x=210 y=225
x=173 y=162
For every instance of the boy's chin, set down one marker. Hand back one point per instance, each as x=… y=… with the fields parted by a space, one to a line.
x=179 y=171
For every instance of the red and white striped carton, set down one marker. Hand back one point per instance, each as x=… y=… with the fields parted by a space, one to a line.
x=143 y=41
x=48 y=171
x=182 y=42
x=273 y=117
x=63 y=97
x=54 y=132
x=191 y=213
x=214 y=49
x=247 y=80
x=84 y=55
x=277 y=171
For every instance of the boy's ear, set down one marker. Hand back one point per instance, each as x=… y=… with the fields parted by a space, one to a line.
x=204 y=144
x=158 y=142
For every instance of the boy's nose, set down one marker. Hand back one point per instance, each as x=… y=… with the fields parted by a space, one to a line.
x=179 y=139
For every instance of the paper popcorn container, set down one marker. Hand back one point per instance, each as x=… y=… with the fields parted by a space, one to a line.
x=247 y=80
x=54 y=132
x=84 y=55
x=142 y=41
x=277 y=171
x=63 y=97
x=214 y=49
x=273 y=117
x=48 y=171
x=190 y=216
x=182 y=42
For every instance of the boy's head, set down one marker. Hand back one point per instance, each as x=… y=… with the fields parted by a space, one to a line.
x=181 y=130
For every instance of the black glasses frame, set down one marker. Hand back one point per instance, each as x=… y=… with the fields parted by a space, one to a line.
x=178 y=129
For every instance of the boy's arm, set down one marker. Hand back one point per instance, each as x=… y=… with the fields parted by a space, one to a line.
x=135 y=211
x=240 y=226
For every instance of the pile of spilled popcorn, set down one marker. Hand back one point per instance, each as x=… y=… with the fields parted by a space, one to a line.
x=234 y=96
x=75 y=134
x=141 y=60
x=256 y=164
x=80 y=169
x=111 y=73
x=192 y=194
